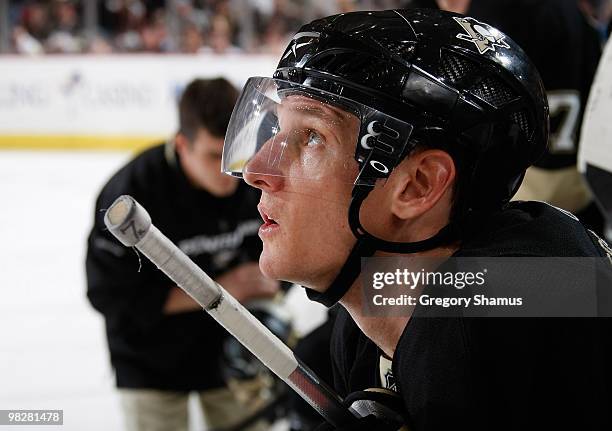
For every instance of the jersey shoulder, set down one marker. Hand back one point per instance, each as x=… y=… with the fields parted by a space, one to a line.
x=530 y=228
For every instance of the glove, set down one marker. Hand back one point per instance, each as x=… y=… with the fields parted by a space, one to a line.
x=375 y=409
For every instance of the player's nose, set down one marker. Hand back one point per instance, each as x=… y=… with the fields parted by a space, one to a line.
x=263 y=170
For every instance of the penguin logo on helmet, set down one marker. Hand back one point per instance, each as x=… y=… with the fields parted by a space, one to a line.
x=484 y=37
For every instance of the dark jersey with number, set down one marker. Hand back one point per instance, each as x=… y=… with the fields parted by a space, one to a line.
x=496 y=373
x=149 y=349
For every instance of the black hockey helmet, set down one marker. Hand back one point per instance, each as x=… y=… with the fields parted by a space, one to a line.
x=454 y=78
x=410 y=77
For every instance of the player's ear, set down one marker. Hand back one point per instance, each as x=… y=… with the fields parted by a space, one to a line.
x=421 y=182
x=181 y=143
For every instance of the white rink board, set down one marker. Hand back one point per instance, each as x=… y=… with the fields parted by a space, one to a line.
x=132 y=95
x=596 y=138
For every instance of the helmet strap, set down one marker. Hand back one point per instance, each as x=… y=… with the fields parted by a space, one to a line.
x=367 y=245
x=347 y=276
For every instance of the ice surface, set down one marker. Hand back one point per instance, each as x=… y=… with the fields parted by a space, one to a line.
x=53 y=352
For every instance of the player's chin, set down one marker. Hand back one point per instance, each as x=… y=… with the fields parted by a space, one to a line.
x=266 y=263
x=273 y=264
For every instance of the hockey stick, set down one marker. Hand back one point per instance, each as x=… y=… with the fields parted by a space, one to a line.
x=127 y=220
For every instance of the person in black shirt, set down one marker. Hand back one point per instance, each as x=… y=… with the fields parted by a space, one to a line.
x=406 y=133
x=162 y=345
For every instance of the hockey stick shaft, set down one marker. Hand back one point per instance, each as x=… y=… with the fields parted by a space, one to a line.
x=131 y=224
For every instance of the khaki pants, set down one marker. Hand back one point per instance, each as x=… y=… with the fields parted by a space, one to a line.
x=155 y=410
x=564 y=188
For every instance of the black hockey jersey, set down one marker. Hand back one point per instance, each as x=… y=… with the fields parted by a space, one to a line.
x=496 y=373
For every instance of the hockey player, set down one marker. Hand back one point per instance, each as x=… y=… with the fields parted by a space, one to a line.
x=162 y=346
x=407 y=133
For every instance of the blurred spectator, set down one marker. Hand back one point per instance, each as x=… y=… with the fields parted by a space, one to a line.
x=275 y=38
x=219 y=39
x=25 y=43
x=64 y=16
x=154 y=33
x=64 y=35
x=191 y=39
x=129 y=19
x=35 y=20
x=31 y=30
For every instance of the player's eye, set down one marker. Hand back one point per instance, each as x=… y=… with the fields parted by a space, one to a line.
x=314 y=139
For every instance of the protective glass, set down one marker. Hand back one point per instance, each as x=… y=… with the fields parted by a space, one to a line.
x=283 y=129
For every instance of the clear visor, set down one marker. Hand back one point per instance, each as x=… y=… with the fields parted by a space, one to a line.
x=283 y=129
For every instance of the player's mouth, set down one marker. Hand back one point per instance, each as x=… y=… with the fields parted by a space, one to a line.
x=269 y=225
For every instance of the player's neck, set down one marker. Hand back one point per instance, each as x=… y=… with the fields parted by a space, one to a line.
x=384 y=331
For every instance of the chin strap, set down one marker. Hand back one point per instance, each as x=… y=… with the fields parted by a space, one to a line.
x=347 y=276
x=367 y=245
